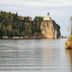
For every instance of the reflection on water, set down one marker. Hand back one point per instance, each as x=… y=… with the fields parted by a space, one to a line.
x=69 y=57
x=35 y=56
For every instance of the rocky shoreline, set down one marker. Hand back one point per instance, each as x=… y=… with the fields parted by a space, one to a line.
x=21 y=38
x=16 y=38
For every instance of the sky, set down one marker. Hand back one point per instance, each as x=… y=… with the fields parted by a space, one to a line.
x=60 y=10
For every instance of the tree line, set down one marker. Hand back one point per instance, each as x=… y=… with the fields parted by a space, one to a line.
x=13 y=25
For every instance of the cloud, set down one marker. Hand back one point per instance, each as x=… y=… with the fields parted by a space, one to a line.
x=37 y=3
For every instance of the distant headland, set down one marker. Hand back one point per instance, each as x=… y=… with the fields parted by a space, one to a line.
x=13 y=26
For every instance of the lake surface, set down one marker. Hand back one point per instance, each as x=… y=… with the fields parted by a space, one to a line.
x=35 y=56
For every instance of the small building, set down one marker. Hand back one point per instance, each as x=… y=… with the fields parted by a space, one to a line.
x=21 y=18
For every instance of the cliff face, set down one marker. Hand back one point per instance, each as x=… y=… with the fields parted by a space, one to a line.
x=50 y=29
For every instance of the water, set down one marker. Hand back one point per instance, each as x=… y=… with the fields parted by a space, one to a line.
x=35 y=56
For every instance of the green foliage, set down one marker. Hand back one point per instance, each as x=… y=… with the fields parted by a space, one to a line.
x=13 y=25
x=36 y=24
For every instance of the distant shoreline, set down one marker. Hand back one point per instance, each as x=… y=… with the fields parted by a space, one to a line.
x=20 y=38
x=23 y=38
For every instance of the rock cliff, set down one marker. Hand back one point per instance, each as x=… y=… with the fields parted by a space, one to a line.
x=49 y=28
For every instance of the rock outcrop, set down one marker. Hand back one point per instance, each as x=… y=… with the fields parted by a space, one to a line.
x=49 y=28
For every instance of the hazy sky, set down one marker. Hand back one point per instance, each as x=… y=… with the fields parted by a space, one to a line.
x=60 y=10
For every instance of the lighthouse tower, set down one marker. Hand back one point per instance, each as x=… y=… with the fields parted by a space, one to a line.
x=47 y=18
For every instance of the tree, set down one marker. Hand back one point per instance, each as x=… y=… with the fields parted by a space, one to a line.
x=36 y=24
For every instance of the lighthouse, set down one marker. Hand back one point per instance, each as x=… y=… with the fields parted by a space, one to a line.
x=49 y=28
